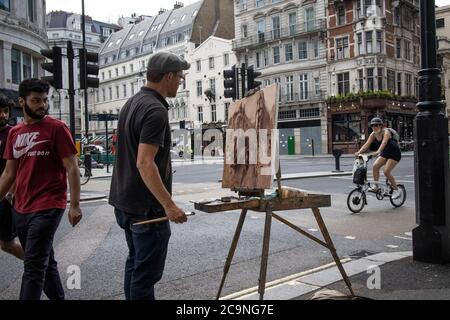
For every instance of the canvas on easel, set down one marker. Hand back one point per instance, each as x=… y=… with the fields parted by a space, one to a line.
x=252 y=142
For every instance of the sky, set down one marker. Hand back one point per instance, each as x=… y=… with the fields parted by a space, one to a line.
x=111 y=10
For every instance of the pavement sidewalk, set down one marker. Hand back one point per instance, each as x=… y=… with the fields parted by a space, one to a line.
x=383 y=276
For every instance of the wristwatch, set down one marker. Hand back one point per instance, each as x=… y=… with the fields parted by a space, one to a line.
x=9 y=196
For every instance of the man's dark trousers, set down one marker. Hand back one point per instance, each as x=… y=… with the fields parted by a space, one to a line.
x=36 y=232
x=147 y=245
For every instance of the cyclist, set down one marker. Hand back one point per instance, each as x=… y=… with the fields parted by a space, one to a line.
x=389 y=154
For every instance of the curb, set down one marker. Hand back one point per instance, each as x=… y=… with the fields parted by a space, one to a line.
x=299 y=176
x=310 y=282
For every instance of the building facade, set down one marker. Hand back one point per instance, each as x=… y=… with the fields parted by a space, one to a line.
x=63 y=27
x=124 y=56
x=285 y=40
x=22 y=37
x=443 y=35
x=373 y=53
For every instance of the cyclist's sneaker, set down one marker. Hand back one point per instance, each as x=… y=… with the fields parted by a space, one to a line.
x=396 y=194
x=374 y=188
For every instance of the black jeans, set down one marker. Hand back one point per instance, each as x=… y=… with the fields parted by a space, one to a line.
x=36 y=232
x=147 y=245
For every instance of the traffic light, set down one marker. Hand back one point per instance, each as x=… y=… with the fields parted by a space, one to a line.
x=230 y=83
x=87 y=69
x=54 y=67
x=251 y=76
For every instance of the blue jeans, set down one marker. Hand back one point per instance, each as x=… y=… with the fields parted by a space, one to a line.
x=36 y=232
x=147 y=245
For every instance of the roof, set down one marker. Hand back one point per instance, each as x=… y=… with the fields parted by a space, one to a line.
x=172 y=22
x=61 y=20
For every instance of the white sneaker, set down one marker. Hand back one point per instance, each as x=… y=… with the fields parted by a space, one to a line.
x=396 y=194
x=374 y=188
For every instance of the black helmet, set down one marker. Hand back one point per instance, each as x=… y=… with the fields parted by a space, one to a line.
x=376 y=121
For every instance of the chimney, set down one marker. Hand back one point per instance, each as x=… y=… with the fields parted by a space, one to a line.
x=161 y=11
x=178 y=5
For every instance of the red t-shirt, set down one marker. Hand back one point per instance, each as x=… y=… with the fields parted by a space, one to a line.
x=38 y=149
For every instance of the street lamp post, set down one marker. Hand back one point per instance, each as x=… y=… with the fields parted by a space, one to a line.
x=431 y=241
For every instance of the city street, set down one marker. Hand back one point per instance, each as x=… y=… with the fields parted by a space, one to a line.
x=198 y=249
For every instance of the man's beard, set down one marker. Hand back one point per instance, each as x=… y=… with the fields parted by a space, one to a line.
x=32 y=114
x=3 y=123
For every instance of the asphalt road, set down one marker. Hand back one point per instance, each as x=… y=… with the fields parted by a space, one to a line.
x=198 y=249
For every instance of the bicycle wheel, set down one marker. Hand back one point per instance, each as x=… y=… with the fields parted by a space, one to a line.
x=400 y=201
x=85 y=175
x=356 y=200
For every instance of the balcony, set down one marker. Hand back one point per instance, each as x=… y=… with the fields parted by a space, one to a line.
x=258 y=39
x=305 y=97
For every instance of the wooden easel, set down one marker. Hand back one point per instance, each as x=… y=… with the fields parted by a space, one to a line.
x=285 y=199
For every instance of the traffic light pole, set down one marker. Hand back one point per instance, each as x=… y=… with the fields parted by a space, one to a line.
x=87 y=154
x=431 y=241
x=70 y=57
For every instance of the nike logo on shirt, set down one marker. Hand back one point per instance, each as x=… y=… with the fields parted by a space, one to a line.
x=24 y=143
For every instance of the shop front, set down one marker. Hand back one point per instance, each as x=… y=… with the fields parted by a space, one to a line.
x=348 y=122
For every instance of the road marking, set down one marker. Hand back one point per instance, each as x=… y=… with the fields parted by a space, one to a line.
x=409 y=234
x=392 y=246
x=404 y=238
x=93 y=201
x=282 y=280
x=313 y=230
x=350 y=238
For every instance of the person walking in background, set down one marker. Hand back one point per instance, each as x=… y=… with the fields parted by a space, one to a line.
x=40 y=155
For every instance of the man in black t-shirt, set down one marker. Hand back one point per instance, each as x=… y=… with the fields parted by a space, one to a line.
x=141 y=185
x=7 y=234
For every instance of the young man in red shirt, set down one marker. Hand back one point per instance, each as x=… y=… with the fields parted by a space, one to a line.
x=7 y=234
x=40 y=154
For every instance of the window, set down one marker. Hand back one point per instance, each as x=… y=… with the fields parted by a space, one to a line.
x=380 y=42
x=243 y=4
x=117 y=92
x=266 y=58
x=104 y=95
x=15 y=66
x=369 y=42
x=200 y=114
x=391 y=81
x=398 y=47
x=276 y=55
x=397 y=18
x=244 y=31
x=226 y=59
x=342 y=48
x=276 y=29
x=212 y=85
x=316 y=48
x=261 y=28
x=290 y=88
x=259 y=3
x=416 y=58
x=117 y=72
x=340 y=15
x=380 y=74
x=132 y=89
x=227 y=108
x=399 y=84
x=26 y=66
x=407 y=50
x=289 y=55
x=303 y=87
x=31 y=10
x=317 y=86
x=359 y=9
x=124 y=90
x=109 y=74
x=370 y=79
x=416 y=87
x=360 y=44
x=5 y=5
x=346 y=127
x=440 y=23
x=258 y=60
x=278 y=81
x=361 y=79
x=110 y=94
x=199 y=89
x=292 y=23
x=302 y=50
x=408 y=83
x=266 y=82
x=309 y=19
x=343 y=83
x=211 y=63
x=131 y=68
x=124 y=70
x=213 y=113
x=199 y=65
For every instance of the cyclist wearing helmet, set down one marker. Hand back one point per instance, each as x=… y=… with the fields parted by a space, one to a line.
x=388 y=151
